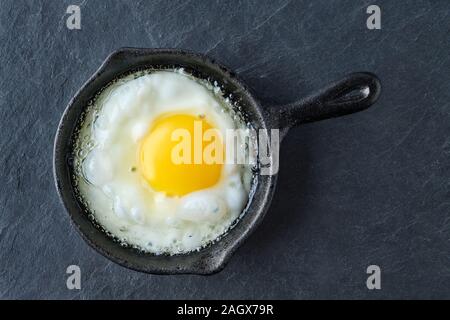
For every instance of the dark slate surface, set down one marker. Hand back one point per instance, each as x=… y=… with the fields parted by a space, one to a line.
x=371 y=188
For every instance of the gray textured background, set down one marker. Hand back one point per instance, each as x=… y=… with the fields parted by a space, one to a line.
x=371 y=188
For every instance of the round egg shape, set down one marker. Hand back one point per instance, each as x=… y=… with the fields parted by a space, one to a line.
x=122 y=196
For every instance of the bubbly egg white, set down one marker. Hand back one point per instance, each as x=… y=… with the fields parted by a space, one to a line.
x=119 y=198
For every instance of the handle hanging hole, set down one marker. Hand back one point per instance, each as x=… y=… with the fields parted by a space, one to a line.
x=352 y=95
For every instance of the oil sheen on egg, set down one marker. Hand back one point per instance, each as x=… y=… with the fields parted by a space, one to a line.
x=124 y=168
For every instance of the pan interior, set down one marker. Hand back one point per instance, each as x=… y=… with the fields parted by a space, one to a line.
x=89 y=196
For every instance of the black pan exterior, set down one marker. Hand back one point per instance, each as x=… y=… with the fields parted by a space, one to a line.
x=208 y=260
x=353 y=93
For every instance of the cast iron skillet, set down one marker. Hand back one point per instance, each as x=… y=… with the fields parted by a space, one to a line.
x=353 y=93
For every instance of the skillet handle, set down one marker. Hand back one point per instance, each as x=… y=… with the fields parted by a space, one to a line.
x=355 y=92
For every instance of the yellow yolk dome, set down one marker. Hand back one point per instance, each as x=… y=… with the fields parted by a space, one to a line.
x=169 y=155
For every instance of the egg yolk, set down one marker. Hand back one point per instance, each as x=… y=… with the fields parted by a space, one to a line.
x=158 y=147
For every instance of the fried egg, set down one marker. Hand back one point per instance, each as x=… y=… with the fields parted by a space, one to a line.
x=126 y=175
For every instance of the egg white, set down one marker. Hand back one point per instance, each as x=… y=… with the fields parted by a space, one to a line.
x=116 y=195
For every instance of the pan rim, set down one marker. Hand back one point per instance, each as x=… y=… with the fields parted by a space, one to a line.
x=209 y=263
